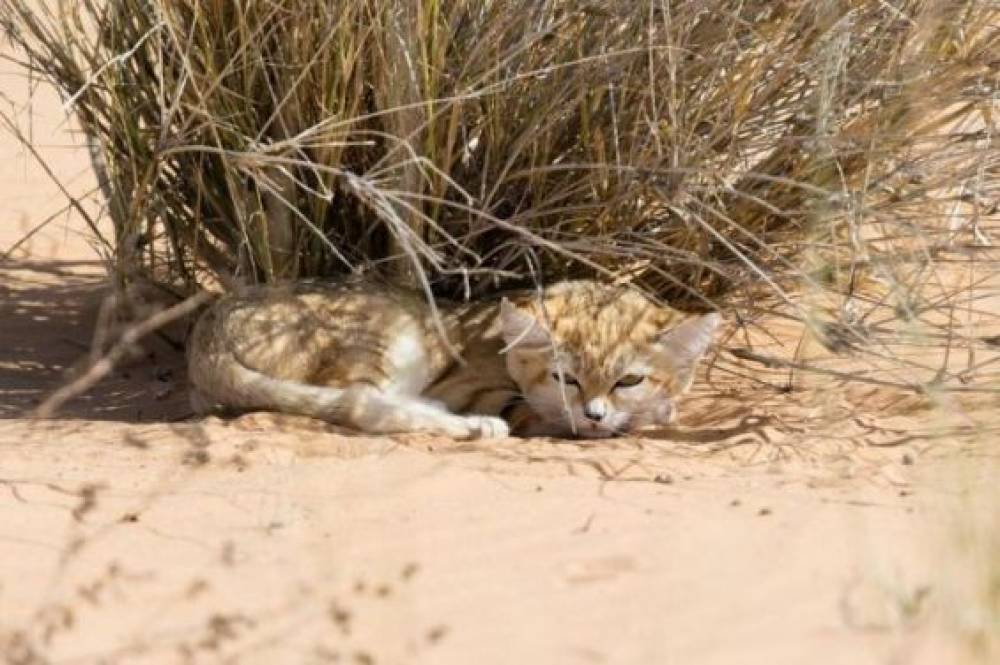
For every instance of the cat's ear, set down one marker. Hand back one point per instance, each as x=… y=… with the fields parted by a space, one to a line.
x=685 y=344
x=520 y=328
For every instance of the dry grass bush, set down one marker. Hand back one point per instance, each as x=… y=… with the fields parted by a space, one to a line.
x=819 y=160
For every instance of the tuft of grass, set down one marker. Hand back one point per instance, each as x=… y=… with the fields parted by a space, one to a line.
x=735 y=153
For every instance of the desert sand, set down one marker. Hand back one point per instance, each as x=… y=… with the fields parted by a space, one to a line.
x=829 y=524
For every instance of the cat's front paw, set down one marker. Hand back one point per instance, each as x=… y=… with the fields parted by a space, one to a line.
x=487 y=427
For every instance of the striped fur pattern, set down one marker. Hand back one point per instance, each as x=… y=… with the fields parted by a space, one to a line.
x=580 y=359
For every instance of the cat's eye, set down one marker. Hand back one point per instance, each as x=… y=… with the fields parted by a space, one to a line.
x=565 y=378
x=630 y=380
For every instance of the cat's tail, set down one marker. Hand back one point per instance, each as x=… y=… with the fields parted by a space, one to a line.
x=224 y=381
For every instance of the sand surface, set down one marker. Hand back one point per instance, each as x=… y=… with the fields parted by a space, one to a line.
x=823 y=525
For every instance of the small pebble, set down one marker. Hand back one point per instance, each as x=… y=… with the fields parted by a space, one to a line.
x=436 y=633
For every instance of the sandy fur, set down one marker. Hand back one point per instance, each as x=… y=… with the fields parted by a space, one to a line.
x=372 y=358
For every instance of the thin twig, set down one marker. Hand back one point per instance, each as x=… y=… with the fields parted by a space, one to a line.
x=106 y=363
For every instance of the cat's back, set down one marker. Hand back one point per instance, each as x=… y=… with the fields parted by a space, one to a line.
x=318 y=333
x=303 y=312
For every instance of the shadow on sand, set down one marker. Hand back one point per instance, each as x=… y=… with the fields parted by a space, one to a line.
x=48 y=312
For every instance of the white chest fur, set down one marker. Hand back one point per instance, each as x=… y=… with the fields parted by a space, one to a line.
x=408 y=359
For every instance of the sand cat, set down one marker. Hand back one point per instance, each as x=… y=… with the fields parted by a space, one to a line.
x=579 y=359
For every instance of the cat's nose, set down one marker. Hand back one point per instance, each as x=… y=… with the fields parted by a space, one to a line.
x=595 y=410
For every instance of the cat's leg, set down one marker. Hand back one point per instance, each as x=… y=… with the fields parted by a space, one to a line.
x=384 y=390
x=361 y=405
x=368 y=375
x=377 y=411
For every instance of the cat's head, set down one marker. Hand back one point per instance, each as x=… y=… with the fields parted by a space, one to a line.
x=595 y=360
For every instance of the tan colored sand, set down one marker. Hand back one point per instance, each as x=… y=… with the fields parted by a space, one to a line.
x=820 y=526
